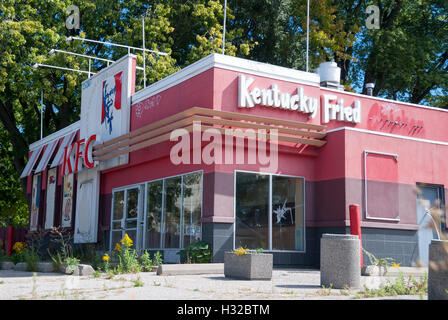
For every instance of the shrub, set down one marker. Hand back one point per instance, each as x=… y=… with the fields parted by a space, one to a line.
x=196 y=252
x=146 y=261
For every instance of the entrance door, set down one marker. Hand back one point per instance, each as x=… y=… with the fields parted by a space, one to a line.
x=432 y=196
x=127 y=216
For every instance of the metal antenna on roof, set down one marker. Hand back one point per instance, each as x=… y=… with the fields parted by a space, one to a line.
x=224 y=27
x=307 y=31
x=144 y=56
x=41 y=112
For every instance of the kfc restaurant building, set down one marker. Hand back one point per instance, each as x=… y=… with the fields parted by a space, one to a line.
x=240 y=153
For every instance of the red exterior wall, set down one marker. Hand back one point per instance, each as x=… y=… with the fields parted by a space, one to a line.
x=334 y=173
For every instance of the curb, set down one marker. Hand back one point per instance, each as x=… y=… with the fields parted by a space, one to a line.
x=190 y=269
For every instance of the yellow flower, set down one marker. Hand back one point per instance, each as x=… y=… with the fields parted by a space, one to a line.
x=395 y=265
x=126 y=241
x=117 y=247
x=106 y=257
x=241 y=251
x=18 y=247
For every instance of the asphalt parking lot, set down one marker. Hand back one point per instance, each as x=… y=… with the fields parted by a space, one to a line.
x=286 y=284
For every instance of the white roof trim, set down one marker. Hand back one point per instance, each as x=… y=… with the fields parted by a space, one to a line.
x=229 y=63
x=391 y=135
x=56 y=135
x=384 y=99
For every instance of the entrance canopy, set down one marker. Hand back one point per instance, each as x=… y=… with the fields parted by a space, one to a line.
x=292 y=132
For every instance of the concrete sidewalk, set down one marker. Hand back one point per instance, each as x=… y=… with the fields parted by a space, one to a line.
x=285 y=284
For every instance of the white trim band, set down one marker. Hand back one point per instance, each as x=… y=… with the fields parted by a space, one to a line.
x=388 y=135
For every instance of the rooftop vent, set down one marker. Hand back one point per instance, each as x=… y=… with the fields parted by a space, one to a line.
x=330 y=75
x=369 y=88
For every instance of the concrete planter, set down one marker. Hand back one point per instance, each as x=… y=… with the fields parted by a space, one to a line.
x=21 y=266
x=438 y=270
x=251 y=266
x=45 y=267
x=6 y=265
x=340 y=263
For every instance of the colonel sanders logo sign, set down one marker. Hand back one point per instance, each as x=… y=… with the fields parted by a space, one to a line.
x=111 y=99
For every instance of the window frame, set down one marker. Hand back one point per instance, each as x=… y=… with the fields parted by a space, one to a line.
x=365 y=155
x=441 y=192
x=270 y=209
x=162 y=220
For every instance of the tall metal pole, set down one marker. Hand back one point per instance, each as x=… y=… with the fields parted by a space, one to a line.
x=144 y=57
x=307 y=31
x=41 y=112
x=224 y=27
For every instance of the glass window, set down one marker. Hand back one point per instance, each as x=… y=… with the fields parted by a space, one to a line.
x=132 y=204
x=192 y=204
x=173 y=212
x=154 y=214
x=252 y=210
x=118 y=205
x=173 y=198
x=252 y=226
x=287 y=213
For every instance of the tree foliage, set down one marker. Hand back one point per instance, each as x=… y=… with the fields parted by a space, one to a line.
x=407 y=58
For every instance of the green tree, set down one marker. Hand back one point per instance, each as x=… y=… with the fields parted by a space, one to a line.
x=30 y=28
x=13 y=207
x=407 y=58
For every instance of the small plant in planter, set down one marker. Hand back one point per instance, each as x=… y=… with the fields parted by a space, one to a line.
x=248 y=264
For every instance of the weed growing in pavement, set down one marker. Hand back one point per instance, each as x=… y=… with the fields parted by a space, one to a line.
x=380 y=262
x=125 y=259
x=138 y=283
x=401 y=286
x=326 y=291
x=64 y=256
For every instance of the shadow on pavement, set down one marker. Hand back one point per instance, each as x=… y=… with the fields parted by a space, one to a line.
x=298 y=286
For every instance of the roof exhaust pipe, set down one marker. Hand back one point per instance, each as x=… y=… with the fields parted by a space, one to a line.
x=330 y=75
x=369 y=88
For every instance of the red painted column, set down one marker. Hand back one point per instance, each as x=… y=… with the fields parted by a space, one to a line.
x=9 y=240
x=355 y=224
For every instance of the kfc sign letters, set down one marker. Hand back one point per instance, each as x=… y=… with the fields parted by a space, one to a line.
x=300 y=102
x=86 y=154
